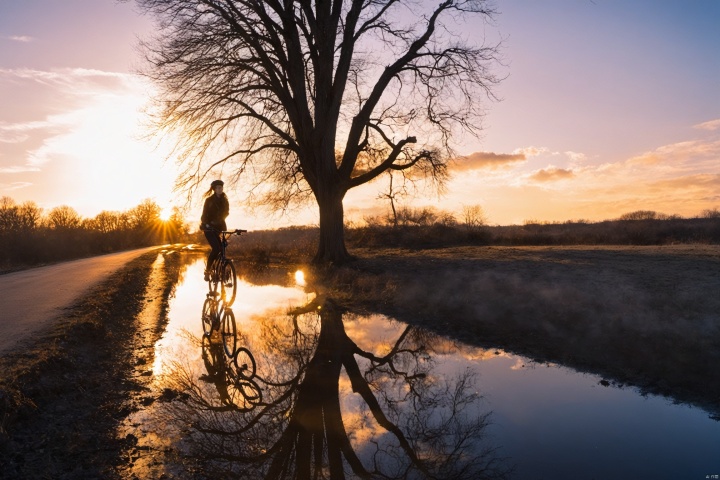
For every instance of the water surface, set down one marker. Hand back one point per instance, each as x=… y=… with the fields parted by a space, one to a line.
x=368 y=393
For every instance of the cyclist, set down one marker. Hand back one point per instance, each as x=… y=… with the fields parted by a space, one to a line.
x=215 y=211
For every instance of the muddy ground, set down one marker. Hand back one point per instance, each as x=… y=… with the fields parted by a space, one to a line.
x=63 y=394
x=642 y=316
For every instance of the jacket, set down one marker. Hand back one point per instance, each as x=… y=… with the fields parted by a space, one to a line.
x=215 y=211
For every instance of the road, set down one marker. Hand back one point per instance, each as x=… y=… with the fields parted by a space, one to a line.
x=33 y=299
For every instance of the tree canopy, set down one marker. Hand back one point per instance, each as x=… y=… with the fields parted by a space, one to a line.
x=308 y=99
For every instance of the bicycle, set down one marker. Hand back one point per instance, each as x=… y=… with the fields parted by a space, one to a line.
x=238 y=364
x=222 y=270
x=216 y=316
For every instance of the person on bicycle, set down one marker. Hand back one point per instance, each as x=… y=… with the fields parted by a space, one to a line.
x=212 y=222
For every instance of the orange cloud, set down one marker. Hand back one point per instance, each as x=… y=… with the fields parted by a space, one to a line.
x=708 y=181
x=479 y=160
x=551 y=175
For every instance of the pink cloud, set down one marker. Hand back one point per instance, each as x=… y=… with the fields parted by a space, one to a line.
x=479 y=160
x=21 y=38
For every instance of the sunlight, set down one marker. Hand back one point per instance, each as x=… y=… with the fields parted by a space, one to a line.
x=104 y=136
x=300 y=278
x=166 y=213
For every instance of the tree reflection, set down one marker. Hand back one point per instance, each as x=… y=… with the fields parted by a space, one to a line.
x=333 y=410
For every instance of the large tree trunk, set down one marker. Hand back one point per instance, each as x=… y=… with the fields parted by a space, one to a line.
x=331 y=248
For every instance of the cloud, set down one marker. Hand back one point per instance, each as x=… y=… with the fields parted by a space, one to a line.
x=703 y=181
x=77 y=82
x=21 y=131
x=711 y=125
x=19 y=169
x=690 y=154
x=576 y=156
x=9 y=187
x=532 y=151
x=480 y=160
x=551 y=174
x=20 y=38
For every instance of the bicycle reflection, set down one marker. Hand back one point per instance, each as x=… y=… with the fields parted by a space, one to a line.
x=230 y=368
x=400 y=421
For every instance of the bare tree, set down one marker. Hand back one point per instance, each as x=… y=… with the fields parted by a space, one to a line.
x=64 y=218
x=312 y=98
x=473 y=216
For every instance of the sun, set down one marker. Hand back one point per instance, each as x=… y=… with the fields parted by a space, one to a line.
x=166 y=213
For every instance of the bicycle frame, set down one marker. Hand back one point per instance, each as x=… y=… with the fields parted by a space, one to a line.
x=222 y=270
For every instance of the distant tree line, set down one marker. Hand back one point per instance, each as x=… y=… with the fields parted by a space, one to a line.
x=28 y=235
x=428 y=227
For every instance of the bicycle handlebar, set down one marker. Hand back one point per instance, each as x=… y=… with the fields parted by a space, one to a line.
x=237 y=231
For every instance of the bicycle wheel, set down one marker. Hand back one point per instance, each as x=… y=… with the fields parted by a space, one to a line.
x=244 y=363
x=243 y=394
x=228 y=282
x=229 y=333
x=209 y=314
x=251 y=391
x=214 y=277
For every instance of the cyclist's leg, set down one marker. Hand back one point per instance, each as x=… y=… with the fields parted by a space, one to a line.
x=214 y=241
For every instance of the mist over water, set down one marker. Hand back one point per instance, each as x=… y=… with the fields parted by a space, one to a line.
x=394 y=385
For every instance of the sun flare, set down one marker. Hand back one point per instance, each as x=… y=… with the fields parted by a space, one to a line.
x=165 y=214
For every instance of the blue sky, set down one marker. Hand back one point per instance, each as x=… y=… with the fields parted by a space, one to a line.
x=608 y=107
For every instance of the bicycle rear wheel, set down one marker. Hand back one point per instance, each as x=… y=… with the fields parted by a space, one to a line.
x=244 y=363
x=228 y=282
x=243 y=394
x=228 y=332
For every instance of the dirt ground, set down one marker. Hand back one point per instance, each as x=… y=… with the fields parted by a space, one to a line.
x=63 y=394
x=642 y=316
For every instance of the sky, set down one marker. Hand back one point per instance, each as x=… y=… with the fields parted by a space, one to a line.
x=607 y=107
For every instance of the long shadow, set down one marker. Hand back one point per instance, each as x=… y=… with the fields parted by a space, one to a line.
x=334 y=410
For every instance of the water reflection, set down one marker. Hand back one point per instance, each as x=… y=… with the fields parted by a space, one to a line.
x=331 y=409
x=235 y=386
x=551 y=421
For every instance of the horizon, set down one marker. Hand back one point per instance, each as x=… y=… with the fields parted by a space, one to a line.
x=607 y=109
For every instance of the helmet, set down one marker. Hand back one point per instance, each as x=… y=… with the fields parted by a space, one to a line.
x=216 y=182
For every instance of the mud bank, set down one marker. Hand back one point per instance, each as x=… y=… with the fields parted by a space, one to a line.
x=63 y=394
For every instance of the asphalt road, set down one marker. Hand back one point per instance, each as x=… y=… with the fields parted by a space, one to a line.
x=32 y=299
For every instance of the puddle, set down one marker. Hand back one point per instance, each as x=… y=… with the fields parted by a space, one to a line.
x=369 y=396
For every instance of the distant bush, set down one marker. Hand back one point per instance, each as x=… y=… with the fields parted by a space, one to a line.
x=710 y=213
x=640 y=215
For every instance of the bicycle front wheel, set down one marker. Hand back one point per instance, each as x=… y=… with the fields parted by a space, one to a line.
x=228 y=332
x=209 y=313
x=228 y=282
x=214 y=277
